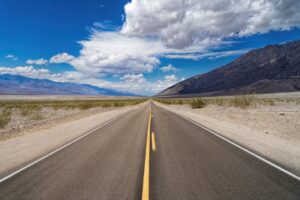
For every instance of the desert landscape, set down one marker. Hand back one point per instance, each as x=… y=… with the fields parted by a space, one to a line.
x=150 y=100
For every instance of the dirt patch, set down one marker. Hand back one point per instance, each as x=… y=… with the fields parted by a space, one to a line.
x=27 y=121
x=280 y=120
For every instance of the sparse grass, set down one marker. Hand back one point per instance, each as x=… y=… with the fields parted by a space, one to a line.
x=28 y=107
x=32 y=109
x=197 y=103
x=269 y=102
x=241 y=101
x=29 y=110
x=36 y=116
x=5 y=117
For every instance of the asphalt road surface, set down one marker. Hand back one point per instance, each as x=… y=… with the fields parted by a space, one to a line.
x=186 y=162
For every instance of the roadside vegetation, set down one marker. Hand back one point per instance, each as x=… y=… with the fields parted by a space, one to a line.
x=241 y=101
x=33 y=109
x=28 y=106
x=5 y=117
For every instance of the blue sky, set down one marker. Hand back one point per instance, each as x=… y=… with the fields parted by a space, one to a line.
x=142 y=47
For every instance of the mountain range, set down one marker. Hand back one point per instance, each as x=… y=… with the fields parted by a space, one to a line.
x=15 y=84
x=274 y=68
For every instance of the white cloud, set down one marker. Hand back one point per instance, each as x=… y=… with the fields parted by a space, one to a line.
x=26 y=71
x=113 y=53
x=30 y=71
x=61 y=58
x=130 y=82
x=137 y=83
x=109 y=53
x=207 y=54
x=40 y=61
x=168 y=81
x=170 y=78
x=135 y=78
x=12 y=56
x=168 y=68
x=181 y=23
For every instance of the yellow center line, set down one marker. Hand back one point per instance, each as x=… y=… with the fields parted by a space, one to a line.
x=145 y=192
x=153 y=142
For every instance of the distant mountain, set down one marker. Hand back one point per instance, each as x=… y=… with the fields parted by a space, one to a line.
x=275 y=68
x=15 y=84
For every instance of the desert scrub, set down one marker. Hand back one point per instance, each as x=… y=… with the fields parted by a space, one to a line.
x=180 y=102
x=217 y=101
x=30 y=110
x=197 y=103
x=37 y=116
x=33 y=111
x=242 y=101
x=28 y=107
x=172 y=101
x=5 y=117
x=269 y=102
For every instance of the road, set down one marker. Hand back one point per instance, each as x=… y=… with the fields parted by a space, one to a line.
x=185 y=162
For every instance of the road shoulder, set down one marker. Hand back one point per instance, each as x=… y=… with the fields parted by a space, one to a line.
x=284 y=152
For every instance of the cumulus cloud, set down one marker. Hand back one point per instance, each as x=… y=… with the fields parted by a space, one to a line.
x=61 y=58
x=113 y=53
x=168 y=68
x=137 y=83
x=40 y=61
x=170 y=78
x=135 y=78
x=25 y=71
x=181 y=23
x=168 y=81
x=30 y=71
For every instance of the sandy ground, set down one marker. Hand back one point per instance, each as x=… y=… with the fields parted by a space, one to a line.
x=18 y=151
x=271 y=131
x=46 y=118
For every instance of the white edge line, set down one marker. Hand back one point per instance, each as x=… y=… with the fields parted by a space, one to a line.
x=57 y=150
x=242 y=148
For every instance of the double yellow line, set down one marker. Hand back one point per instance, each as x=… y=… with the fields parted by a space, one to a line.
x=146 y=179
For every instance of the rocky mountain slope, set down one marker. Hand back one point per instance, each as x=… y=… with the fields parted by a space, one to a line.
x=15 y=84
x=275 y=68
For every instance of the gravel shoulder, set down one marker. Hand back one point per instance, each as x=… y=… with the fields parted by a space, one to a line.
x=18 y=151
x=271 y=131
